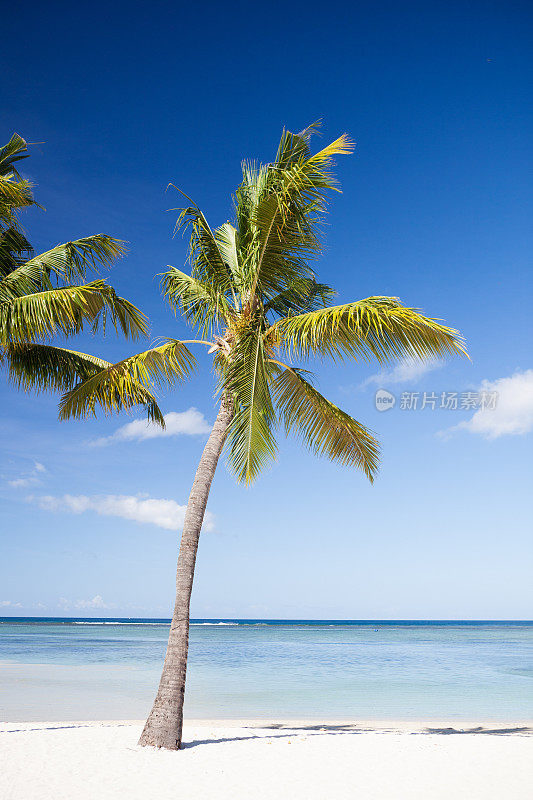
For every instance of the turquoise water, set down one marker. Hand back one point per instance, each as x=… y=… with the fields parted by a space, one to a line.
x=103 y=669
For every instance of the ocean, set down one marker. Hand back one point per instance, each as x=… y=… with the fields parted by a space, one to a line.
x=76 y=668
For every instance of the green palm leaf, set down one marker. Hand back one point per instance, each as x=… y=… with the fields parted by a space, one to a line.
x=67 y=262
x=127 y=383
x=289 y=202
x=13 y=151
x=250 y=440
x=72 y=260
x=325 y=428
x=227 y=238
x=303 y=295
x=14 y=248
x=27 y=278
x=379 y=327
x=42 y=315
x=13 y=195
x=15 y=192
x=294 y=147
x=42 y=368
x=205 y=257
x=282 y=250
x=200 y=303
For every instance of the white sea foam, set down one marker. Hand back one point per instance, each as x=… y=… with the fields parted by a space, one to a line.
x=109 y=622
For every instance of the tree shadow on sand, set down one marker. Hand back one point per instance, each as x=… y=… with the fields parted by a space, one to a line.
x=291 y=731
x=96 y=724
x=491 y=731
x=350 y=729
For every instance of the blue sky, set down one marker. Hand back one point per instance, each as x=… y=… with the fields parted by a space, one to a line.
x=124 y=98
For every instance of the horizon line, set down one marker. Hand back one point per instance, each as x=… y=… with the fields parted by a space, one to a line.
x=275 y=619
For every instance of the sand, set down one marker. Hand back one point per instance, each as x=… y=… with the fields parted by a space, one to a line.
x=286 y=761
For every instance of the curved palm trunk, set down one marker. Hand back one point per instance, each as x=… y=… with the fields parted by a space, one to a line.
x=164 y=724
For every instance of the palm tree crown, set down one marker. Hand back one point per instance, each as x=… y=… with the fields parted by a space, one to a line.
x=44 y=296
x=255 y=301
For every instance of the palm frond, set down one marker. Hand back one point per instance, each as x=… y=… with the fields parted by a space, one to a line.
x=13 y=151
x=14 y=249
x=126 y=384
x=15 y=191
x=72 y=260
x=227 y=240
x=285 y=214
x=249 y=192
x=42 y=368
x=294 y=147
x=325 y=428
x=379 y=327
x=207 y=264
x=341 y=146
x=250 y=441
x=310 y=178
x=285 y=242
x=27 y=278
x=303 y=295
x=200 y=303
x=13 y=195
x=65 y=310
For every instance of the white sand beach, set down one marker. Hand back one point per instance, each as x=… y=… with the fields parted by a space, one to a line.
x=252 y=761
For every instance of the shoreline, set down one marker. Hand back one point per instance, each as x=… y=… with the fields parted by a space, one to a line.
x=432 y=726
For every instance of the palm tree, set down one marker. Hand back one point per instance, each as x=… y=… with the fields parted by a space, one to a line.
x=256 y=304
x=42 y=296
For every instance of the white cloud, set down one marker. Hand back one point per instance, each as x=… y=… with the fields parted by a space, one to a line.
x=164 y=513
x=96 y=602
x=9 y=604
x=31 y=479
x=19 y=483
x=177 y=423
x=513 y=412
x=408 y=370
